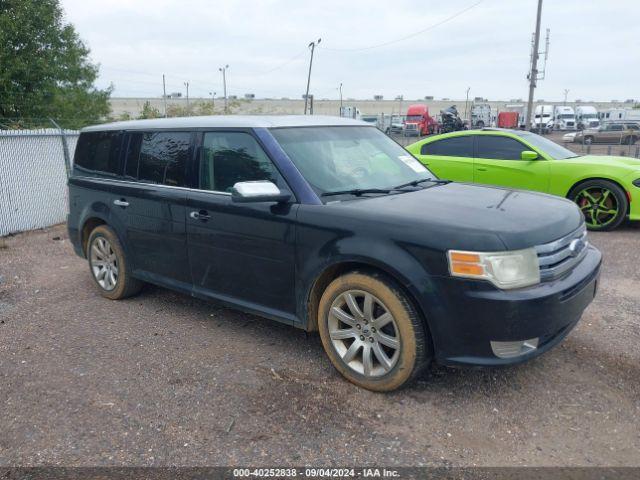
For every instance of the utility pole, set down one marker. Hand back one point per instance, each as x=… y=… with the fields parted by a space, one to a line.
x=566 y=92
x=340 y=98
x=164 y=96
x=186 y=84
x=312 y=46
x=466 y=101
x=533 y=73
x=224 y=86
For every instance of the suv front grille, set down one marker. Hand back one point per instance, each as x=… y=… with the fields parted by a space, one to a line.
x=560 y=256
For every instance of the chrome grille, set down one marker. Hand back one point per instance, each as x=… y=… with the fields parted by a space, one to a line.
x=560 y=256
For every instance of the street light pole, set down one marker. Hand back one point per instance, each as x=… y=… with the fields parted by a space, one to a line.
x=340 y=98
x=465 y=105
x=566 y=92
x=186 y=84
x=312 y=46
x=224 y=85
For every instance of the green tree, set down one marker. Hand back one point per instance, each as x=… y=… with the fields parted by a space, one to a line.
x=45 y=71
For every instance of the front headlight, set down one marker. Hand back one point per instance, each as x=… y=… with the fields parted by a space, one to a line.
x=514 y=269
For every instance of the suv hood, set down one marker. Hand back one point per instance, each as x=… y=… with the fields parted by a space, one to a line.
x=469 y=217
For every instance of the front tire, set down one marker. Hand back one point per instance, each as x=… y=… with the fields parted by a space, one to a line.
x=371 y=332
x=603 y=203
x=108 y=265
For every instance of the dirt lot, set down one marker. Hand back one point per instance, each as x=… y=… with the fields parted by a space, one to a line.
x=164 y=379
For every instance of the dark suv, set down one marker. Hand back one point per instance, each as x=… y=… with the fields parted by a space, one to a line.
x=327 y=224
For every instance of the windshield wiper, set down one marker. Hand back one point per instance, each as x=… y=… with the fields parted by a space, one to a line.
x=356 y=191
x=415 y=183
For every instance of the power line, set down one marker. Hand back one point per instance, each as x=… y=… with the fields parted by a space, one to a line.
x=406 y=37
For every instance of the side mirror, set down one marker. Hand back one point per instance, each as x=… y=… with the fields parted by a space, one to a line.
x=257 y=191
x=528 y=155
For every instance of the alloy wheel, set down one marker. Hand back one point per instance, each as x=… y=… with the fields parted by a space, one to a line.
x=364 y=333
x=104 y=264
x=599 y=206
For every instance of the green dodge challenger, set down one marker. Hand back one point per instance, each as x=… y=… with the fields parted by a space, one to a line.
x=606 y=188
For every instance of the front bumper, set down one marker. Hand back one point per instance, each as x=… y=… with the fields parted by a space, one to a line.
x=473 y=314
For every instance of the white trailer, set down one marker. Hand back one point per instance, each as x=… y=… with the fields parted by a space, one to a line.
x=480 y=115
x=631 y=114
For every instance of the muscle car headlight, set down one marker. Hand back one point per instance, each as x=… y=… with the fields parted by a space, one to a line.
x=514 y=269
x=636 y=182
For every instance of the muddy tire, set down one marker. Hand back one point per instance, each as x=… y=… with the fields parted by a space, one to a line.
x=371 y=332
x=108 y=265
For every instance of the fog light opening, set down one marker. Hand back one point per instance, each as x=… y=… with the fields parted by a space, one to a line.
x=514 y=349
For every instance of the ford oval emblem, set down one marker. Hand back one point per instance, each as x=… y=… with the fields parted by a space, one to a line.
x=576 y=246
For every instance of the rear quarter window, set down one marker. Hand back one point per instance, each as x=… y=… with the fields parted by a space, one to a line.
x=449 y=147
x=158 y=157
x=98 y=152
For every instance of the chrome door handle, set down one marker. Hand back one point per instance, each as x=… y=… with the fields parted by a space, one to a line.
x=201 y=215
x=121 y=203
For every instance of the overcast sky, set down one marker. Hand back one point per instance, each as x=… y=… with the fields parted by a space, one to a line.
x=595 y=47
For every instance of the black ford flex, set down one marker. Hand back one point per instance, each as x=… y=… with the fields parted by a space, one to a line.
x=327 y=224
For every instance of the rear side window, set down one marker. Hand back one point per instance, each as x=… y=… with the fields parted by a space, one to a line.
x=499 y=148
x=158 y=157
x=231 y=157
x=99 y=152
x=449 y=147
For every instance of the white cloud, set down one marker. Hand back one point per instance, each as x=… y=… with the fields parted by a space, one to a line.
x=594 y=51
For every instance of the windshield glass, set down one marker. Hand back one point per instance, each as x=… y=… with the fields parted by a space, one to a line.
x=333 y=159
x=566 y=115
x=555 y=151
x=414 y=118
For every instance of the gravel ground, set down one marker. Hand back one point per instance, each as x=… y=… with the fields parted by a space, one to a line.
x=165 y=379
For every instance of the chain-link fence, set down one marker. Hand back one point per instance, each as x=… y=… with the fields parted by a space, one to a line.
x=33 y=177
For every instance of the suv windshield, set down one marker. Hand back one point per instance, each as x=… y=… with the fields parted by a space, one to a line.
x=334 y=159
x=555 y=151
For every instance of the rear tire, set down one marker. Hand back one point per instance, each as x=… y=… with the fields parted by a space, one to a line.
x=371 y=332
x=603 y=204
x=108 y=265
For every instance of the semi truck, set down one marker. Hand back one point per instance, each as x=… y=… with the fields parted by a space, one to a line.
x=418 y=122
x=587 y=117
x=564 y=118
x=542 y=119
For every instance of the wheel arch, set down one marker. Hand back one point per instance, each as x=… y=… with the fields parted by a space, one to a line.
x=88 y=226
x=339 y=268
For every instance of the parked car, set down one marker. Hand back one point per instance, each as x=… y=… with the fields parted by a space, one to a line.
x=626 y=133
x=397 y=124
x=325 y=223
x=606 y=188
